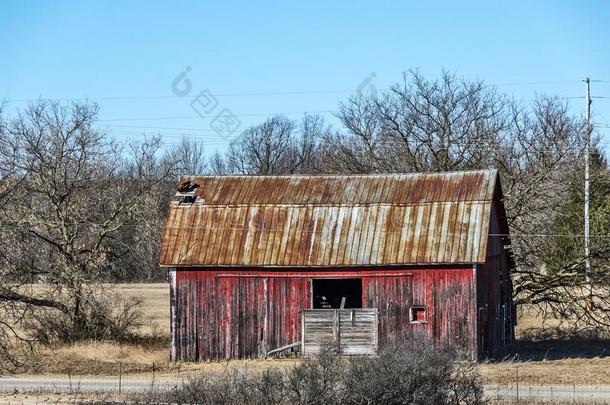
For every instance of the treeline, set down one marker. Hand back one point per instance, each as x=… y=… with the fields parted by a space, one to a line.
x=78 y=209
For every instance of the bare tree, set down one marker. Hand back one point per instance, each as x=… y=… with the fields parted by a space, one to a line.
x=421 y=125
x=153 y=175
x=540 y=152
x=451 y=124
x=312 y=130
x=218 y=164
x=63 y=222
x=264 y=148
x=188 y=157
x=276 y=146
x=8 y=181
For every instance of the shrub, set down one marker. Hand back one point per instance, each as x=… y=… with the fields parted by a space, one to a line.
x=411 y=372
x=465 y=386
x=232 y=387
x=401 y=374
x=101 y=318
x=317 y=379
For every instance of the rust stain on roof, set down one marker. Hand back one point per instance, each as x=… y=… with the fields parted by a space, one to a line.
x=331 y=220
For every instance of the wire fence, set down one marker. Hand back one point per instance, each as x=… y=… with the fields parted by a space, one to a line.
x=118 y=384
x=121 y=386
x=527 y=393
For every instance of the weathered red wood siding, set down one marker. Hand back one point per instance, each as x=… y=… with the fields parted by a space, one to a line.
x=222 y=313
x=218 y=316
x=496 y=317
x=447 y=294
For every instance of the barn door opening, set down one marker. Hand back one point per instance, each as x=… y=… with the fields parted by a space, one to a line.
x=329 y=293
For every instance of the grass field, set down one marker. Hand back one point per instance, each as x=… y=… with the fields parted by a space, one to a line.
x=549 y=362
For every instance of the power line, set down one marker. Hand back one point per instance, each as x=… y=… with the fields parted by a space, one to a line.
x=269 y=114
x=258 y=93
x=220 y=228
x=173 y=140
x=163 y=134
x=537 y=83
x=599 y=113
x=245 y=94
x=154 y=127
x=210 y=133
x=185 y=117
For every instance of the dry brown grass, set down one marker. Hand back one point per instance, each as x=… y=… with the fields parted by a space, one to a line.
x=155 y=299
x=579 y=371
x=56 y=398
x=96 y=358
x=549 y=361
x=104 y=359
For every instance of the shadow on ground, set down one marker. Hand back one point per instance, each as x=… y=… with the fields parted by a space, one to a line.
x=535 y=345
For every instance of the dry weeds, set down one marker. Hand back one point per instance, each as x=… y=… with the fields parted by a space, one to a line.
x=96 y=358
x=56 y=398
x=569 y=371
x=155 y=299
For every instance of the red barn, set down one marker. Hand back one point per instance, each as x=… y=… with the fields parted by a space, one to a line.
x=249 y=255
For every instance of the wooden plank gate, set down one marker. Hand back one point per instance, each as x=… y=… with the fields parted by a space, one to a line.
x=354 y=331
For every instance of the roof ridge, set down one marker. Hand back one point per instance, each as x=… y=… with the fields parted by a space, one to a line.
x=288 y=175
x=339 y=205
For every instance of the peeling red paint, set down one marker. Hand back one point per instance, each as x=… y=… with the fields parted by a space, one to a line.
x=260 y=312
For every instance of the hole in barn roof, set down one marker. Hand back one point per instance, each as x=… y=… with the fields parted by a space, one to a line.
x=188 y=187
x=185 y=193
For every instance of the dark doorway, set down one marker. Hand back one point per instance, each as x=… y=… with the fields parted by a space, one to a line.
x=328 y=293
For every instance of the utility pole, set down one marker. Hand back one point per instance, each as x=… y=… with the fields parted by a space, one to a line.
x=587 y=197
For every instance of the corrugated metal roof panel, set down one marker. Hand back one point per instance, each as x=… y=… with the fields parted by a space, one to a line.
x=331 y=220
x=345 y=189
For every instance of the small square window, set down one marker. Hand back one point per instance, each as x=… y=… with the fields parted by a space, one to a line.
x=419 y=314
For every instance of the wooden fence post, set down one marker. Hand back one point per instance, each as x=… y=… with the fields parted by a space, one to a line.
x=336 y=328
x=120 y=376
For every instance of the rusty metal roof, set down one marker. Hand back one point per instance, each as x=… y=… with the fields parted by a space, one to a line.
x=330 y=220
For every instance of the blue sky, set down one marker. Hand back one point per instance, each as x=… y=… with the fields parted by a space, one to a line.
x=116 y=52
